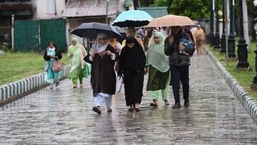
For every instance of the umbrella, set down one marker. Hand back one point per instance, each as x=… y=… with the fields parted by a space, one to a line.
x=132 y=18
x=90 y=30
x=170 y=20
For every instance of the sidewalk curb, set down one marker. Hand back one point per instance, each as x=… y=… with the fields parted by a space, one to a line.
x=246 y=100
x=16 y=90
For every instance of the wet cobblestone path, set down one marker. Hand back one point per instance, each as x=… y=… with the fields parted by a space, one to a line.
x=64 y=116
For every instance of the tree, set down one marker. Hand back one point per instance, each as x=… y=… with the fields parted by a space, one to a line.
x=195 y=9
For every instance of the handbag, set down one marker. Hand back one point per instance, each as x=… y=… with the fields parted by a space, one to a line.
x=57 y=65
x=119 y=82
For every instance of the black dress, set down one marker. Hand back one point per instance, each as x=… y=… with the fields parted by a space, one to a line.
x=131 y=65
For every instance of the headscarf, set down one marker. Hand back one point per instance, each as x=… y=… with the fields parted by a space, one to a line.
x=77 y=45
x=155 y=55
x=97 y=46
x=134 y=57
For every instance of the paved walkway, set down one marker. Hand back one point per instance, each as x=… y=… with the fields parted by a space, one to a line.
x=64 y=116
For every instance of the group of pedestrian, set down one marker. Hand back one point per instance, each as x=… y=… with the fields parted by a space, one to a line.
x=166 y=62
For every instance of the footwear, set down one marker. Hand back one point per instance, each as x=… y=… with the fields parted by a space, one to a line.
x=131 y=109
x=186 y=103
x=166 y=102
x=137 y=109
x=75 y=86
x=97 y=109
x=154 y=103
x=176 y=105
x=109 y=109
x=51 y=87
x=57 y=83
x=81 y=85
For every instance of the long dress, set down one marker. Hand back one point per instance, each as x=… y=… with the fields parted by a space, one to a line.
x=131 y=65
x=103 y=77
x=52 y=76
x=159 y=71
x=77 y=62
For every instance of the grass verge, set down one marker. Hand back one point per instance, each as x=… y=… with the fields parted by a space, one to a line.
x=243 y=77
x=18 y=65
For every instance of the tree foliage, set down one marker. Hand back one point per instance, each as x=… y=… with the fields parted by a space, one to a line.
x=195 y=9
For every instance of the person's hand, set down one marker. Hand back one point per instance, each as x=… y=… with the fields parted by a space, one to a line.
x=145 y=70
x=108 y=52
x=181 y=47
x=171 y=39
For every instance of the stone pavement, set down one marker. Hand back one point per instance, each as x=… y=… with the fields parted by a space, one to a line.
x=64 y=116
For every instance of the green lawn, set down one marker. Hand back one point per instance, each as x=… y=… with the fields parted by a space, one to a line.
x=17 y=65
x=243 y=77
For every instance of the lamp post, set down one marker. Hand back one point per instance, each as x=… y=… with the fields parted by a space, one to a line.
x=217 y=35
x=242 y=52
x=211 y=36
x=231 y=37
x=254 y=83
x=107 y=6
x=223 y=36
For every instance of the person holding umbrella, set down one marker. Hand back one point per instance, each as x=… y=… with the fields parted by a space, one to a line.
x=131 y=31
x=102 y=58
x=179 y=46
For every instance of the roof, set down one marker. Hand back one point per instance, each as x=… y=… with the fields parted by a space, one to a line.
x=80 y=8
x=16 y=8
x=155 y=12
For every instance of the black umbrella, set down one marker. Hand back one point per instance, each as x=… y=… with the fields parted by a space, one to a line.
x=90 y=30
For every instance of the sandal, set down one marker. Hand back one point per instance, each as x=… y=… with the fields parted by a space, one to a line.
x=131 y=109
x=166 y=102
x=137 y=109
x=97 y=109
x=109 y=109
x=154 y=103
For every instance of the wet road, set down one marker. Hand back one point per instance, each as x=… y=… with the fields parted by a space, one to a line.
x=64 y=116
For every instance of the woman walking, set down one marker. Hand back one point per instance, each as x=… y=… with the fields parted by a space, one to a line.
x=52 y=54
x=102 y=57
x=159 y=71
x=131 y=65
x=76 y=53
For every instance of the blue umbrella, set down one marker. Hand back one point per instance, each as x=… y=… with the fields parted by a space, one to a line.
x=132 y=18
x=90 y=30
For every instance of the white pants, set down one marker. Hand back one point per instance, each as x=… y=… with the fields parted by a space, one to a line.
x=100 y=97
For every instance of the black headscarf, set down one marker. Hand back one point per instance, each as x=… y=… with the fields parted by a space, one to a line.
x=134 y=57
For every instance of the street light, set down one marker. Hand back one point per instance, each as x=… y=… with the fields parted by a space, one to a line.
x=242 y=52
x=231 y=37
x=211 y=36
x=223 y=36
x=217 y=35
x=254 y=83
